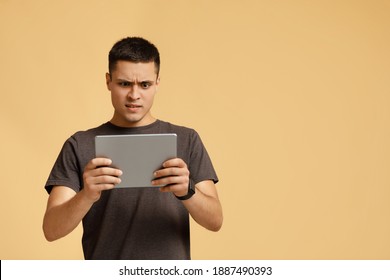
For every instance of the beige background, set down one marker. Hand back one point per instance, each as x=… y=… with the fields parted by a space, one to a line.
x=290 y=97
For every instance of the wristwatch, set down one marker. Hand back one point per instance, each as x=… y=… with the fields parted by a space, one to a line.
x=191 y=192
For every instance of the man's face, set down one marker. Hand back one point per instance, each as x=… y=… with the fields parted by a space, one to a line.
x=133 y=87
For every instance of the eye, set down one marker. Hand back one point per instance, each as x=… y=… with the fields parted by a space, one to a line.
x=145 y=85
x=124 y=84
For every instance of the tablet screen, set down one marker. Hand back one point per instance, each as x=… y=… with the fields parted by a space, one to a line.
x=137 y=155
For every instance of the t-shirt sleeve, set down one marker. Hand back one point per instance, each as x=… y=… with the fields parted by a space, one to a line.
x=66 y=170
x=200 y=167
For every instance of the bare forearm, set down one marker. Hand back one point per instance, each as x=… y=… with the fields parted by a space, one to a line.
x=63 y=218
x=204 y=205
x=205 y=210
x=66 y=208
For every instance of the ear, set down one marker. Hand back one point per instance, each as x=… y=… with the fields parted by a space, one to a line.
x=157 y=82
x=108 y=81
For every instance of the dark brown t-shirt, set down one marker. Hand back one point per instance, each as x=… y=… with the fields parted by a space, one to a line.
x=133 y=223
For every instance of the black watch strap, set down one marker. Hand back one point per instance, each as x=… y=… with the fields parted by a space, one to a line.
x=190 y=193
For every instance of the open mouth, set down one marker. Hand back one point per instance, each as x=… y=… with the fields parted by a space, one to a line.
x=133 y=106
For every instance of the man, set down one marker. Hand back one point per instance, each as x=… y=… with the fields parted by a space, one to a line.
x=132 y=223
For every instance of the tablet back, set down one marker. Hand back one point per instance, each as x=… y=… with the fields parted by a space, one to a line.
x=137 y=155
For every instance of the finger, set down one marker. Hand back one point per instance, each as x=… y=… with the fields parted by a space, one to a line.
x=106 y=179
x=94 y=163
x=171 y=180
x=101 y=180
x=172 y=171
x=101 y=171
x=175 y=162
x=99 y=175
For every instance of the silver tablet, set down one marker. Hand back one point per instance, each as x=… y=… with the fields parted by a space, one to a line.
x=137 y=155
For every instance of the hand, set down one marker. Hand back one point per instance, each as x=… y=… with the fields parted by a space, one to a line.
x=174 y=175
x=99 y=176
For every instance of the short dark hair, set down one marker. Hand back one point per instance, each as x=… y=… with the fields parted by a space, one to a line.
x=133 y=49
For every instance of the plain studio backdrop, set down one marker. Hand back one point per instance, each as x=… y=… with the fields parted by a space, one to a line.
x=291 y=99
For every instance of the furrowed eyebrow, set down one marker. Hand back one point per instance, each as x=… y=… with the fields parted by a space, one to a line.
x=132 y=82
x=147 y=81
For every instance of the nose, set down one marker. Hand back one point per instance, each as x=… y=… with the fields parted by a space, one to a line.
x=134 y=92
